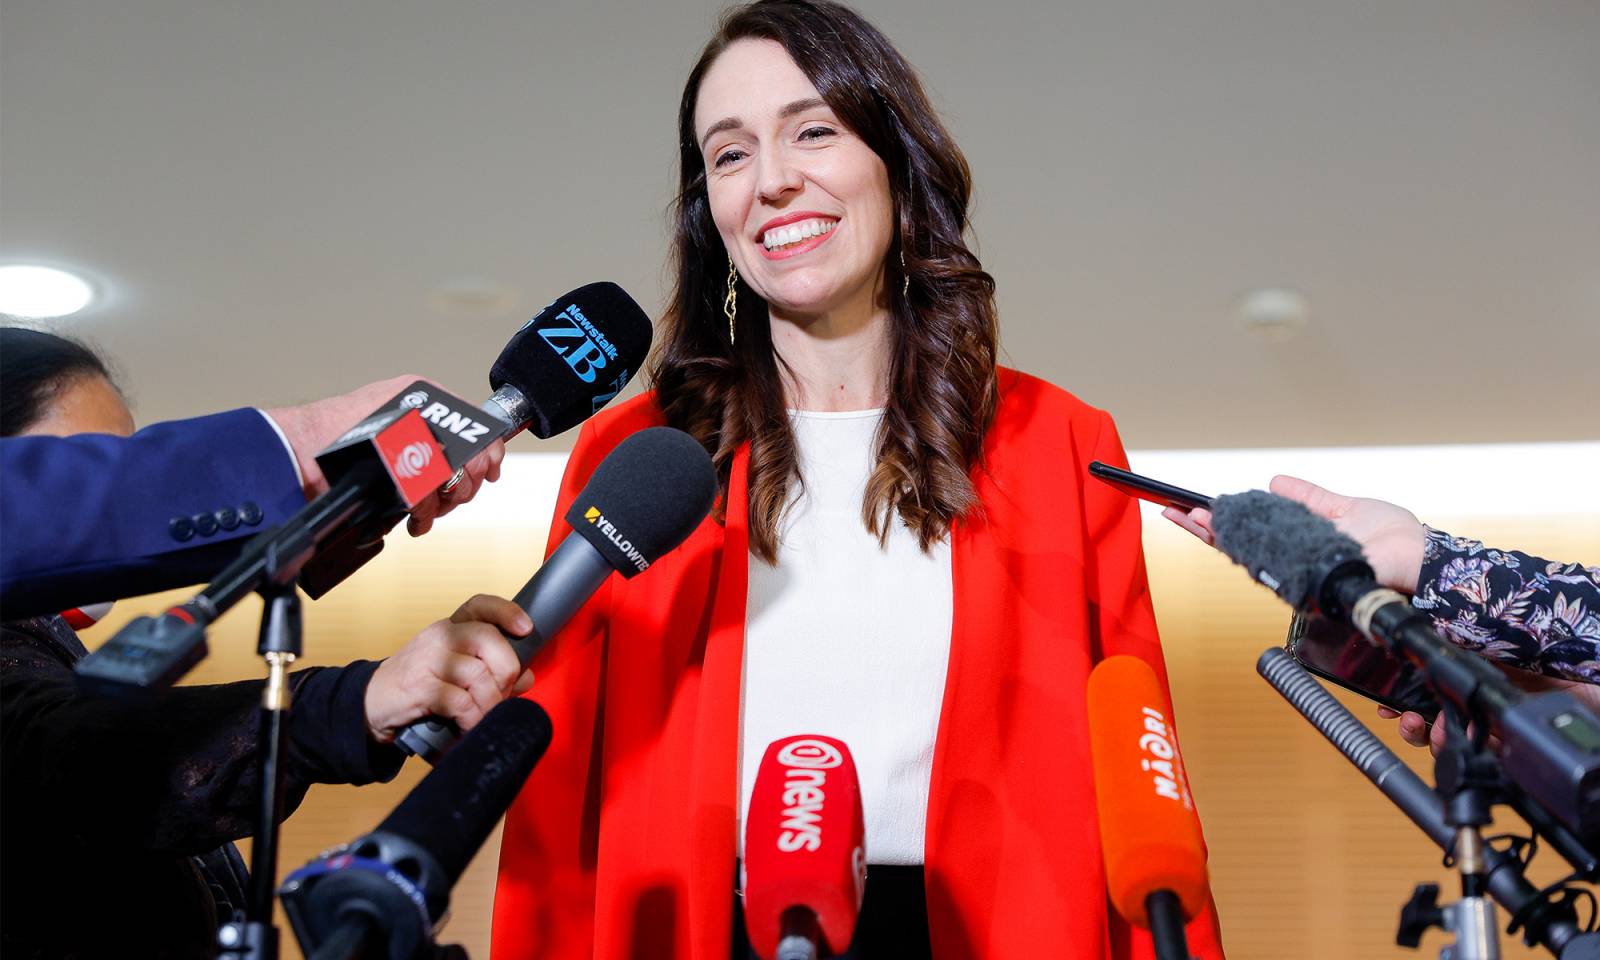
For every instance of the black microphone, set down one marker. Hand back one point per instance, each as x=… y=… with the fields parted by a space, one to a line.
x=555 y=372
x=644 y=499
x=1552 y=923
x=383 y=893
x=1550 y=743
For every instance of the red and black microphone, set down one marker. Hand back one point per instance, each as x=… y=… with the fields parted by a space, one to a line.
x=805 y=858
x=1149 y=830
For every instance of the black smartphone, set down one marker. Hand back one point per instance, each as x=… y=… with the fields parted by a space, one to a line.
x=1340 y=655
x=1145 y=488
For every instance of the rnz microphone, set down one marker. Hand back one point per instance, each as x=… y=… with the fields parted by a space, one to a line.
x=805 y=856
x=383 y=894
x=555 y=372
x=1149 y=830
x=644 y=499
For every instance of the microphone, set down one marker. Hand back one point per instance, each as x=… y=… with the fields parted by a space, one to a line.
x=805 y=859
x=643 y=500
x=1553 y=924
x=383 y=893
x=556 y=371
x=1149 y=830
x=1550 y=743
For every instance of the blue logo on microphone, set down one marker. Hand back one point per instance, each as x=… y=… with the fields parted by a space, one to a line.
x=579 y=342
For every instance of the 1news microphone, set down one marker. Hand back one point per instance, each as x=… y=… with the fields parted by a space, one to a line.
x=383 y=894
x=1149 y=831
x=1550 y=743
x=643 y=500
x=555 y=372
x=805 y=858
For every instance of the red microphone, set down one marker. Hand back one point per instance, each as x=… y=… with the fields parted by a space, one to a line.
x=1149 y=830
x=805 y=857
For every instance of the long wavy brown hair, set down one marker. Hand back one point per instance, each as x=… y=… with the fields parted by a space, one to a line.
x=942 y=383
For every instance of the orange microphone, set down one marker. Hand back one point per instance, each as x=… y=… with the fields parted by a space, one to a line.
x=1149 y=831
x=805 y=861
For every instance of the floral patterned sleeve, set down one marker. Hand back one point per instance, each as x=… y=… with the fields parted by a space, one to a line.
x=1520 y=610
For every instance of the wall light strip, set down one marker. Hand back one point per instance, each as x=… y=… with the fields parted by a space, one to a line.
x=1498 y=479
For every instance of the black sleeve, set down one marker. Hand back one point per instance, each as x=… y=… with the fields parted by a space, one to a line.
x=1521 y=610
x=174 y=773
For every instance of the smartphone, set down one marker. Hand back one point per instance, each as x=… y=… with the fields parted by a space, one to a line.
x=1340 y=655
x=1145 y=488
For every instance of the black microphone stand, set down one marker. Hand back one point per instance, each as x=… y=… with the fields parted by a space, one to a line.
x=1546 y=917
x=281 y=641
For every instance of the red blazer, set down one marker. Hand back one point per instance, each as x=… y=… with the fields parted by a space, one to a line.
x=622 y=843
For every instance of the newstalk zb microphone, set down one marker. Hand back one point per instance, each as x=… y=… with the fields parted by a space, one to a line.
x=805 y=859
x=644 y=499
x=1149 y=830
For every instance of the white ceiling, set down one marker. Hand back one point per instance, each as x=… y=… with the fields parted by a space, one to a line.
x=270 y=194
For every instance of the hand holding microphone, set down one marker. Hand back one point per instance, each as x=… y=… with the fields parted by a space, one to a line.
x=1149 y=831
x=311 y=427
x=643 y=500
x=458 y=668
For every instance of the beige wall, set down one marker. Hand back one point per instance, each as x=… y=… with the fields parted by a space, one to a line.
x=1308 y=860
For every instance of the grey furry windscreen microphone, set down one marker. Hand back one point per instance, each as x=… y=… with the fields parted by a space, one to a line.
x=1285 y=546
x=567 y=362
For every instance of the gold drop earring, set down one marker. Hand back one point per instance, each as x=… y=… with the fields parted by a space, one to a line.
x=730 y=303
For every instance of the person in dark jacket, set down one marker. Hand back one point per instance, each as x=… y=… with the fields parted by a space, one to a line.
x=117 y=817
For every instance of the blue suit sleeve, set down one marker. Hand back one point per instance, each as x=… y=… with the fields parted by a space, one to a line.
x=94 y=517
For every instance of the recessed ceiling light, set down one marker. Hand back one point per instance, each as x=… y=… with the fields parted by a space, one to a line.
x=1274 y=313
x=38 y=292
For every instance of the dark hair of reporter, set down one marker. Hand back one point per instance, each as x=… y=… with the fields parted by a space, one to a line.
x=942 y=377
x=34 y=367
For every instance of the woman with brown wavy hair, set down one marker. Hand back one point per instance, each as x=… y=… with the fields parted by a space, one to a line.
x=905 y=556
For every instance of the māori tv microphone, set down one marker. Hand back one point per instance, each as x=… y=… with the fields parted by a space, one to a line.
x=383 y=894
x=643 y=500
x=1550 y=743
x=805 y=859
x=1149 y=831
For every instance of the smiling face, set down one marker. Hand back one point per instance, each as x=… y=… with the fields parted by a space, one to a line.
x=801 y=202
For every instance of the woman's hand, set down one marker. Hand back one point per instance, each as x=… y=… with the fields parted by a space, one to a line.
x=1415 y=732
x=1391 y=536
x=458 y=668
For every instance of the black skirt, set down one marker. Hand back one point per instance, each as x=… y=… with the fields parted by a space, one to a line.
x=893 y=922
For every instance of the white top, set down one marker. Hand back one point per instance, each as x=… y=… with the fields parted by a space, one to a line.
x=848 y=639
